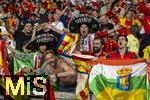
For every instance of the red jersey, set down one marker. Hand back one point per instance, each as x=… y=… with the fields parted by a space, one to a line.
x=110 y=44
x=127 y=55
x=144 y=9
x=102 y=54
x=146 y=24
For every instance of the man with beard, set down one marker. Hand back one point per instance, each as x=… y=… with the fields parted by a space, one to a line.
x=59 y=70
x=122 y=51
x=98 y=47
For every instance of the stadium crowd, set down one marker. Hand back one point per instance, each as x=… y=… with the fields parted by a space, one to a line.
x=43 y=35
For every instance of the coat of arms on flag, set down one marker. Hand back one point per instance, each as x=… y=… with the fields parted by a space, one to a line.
x=120 y=79
x=123 y=78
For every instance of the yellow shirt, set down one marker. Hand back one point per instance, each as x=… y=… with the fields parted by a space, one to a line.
x=133 y=43
x=146 y=52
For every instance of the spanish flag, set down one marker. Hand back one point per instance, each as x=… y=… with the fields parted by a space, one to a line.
x=83 y=62
x=4 y=70
x=125 y=23
x=66 y=43
x=83 y=66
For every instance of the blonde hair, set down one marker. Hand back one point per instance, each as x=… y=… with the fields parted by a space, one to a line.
x=50 y=51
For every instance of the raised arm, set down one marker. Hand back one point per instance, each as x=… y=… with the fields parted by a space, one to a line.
x=114 y=29
x=8 y=27
x=57 y=30
x=63 y=11
x=34 y=31
x=54 y=29
x=10 y=48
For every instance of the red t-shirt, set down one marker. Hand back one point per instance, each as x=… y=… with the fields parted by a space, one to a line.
x=146 y=24
x=144 y=9
x=102 y=54
x=127 y=55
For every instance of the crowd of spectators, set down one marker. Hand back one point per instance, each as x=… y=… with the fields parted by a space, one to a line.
x=123 y=32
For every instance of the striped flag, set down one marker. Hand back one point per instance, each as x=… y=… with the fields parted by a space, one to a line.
x=120 y=80
x=83 y=62
x=4 y=70
x=83 y=66
x=66 y=44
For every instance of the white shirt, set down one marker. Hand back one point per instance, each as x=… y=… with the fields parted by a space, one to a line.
x=58 y=25
x=86 y=44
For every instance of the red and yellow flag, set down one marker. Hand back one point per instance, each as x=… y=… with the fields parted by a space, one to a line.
x=3 y=59
x=83 y=66
x=67 y=43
